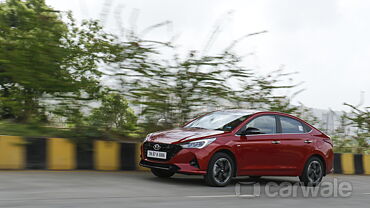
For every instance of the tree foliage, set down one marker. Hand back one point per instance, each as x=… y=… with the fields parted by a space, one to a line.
x=175 y=88
x=44 y=58
x=114 y=114
x=360 y=119
x=50 y=67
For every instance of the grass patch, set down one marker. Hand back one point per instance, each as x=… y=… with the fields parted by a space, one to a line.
x=31 y=130
x=78 y=135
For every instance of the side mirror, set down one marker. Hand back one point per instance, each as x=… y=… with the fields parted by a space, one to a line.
x=251 y=130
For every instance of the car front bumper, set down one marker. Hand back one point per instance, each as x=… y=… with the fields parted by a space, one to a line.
x=186 y=161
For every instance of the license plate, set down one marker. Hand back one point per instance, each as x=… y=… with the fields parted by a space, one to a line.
x=156 y=154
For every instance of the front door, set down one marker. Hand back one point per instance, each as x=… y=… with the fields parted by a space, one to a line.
x=259 y=152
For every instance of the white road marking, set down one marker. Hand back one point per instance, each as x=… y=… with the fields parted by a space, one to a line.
x=366 y=193
x=248 y=196
x=223 y=196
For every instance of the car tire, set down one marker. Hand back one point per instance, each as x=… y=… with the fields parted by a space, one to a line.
x=162 y=173
x=313 y=172
x=220 y=170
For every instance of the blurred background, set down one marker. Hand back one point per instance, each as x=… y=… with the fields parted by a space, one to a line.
x=118 y=70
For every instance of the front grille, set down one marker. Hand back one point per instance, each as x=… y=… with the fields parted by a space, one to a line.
x=171 y=149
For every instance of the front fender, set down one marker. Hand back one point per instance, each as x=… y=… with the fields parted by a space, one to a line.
x=205 y=155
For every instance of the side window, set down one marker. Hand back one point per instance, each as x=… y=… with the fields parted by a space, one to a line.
x=307 y=128
x=289 y=125
x=266 y=124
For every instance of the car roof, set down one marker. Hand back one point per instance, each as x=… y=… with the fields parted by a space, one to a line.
x=251 y=111
x=240 y=111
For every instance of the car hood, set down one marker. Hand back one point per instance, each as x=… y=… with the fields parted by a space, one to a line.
x=181 y=135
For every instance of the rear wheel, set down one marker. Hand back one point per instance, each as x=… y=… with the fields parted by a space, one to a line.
x=162 y=173
x=313 y=172
x=220 y=170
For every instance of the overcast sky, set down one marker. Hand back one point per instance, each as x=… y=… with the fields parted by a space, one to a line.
x=326 y=41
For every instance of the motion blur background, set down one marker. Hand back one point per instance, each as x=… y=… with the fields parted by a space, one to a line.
x=117 y=70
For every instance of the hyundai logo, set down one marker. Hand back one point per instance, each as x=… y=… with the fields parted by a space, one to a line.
x=157 y=147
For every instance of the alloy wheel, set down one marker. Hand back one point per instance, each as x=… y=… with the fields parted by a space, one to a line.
x=222 y=170
x=314 y=172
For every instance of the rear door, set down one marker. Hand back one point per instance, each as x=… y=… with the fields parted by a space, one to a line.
x=296 y=143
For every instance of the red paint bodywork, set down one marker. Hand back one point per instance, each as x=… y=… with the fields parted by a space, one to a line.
x=253 y=154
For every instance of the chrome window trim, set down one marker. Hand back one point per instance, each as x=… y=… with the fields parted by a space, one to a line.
x=273 y=134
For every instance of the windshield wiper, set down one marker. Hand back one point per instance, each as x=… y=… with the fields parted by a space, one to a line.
x=196 y=127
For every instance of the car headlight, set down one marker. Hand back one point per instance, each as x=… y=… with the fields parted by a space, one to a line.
x=147 y=137
x=198 y=144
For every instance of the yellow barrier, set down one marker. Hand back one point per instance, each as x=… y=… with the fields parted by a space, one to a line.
x=366 y=163
x=106 y=155
x=61 y=154
x=138 y=151
x=12 y=153
x=348 y=165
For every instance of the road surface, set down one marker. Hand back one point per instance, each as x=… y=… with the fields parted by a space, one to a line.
x=140 y=189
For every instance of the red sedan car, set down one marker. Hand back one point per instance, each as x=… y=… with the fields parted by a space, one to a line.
x=224 y=144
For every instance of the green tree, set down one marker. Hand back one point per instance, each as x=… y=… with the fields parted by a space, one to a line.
x=175 y=89
x=360 y=118
x=114 y=115
x=343 y=142
x=47 y=60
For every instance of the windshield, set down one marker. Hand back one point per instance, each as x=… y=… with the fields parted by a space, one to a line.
x=224 y=121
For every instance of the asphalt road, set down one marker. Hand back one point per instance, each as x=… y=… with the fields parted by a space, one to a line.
x=141 y=189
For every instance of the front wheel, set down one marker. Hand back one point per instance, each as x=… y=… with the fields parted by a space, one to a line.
x=220 y=170
x=162 y=173
x=313 y=172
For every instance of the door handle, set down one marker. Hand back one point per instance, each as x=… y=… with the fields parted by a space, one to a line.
x=307 y=141
x=275 y=142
